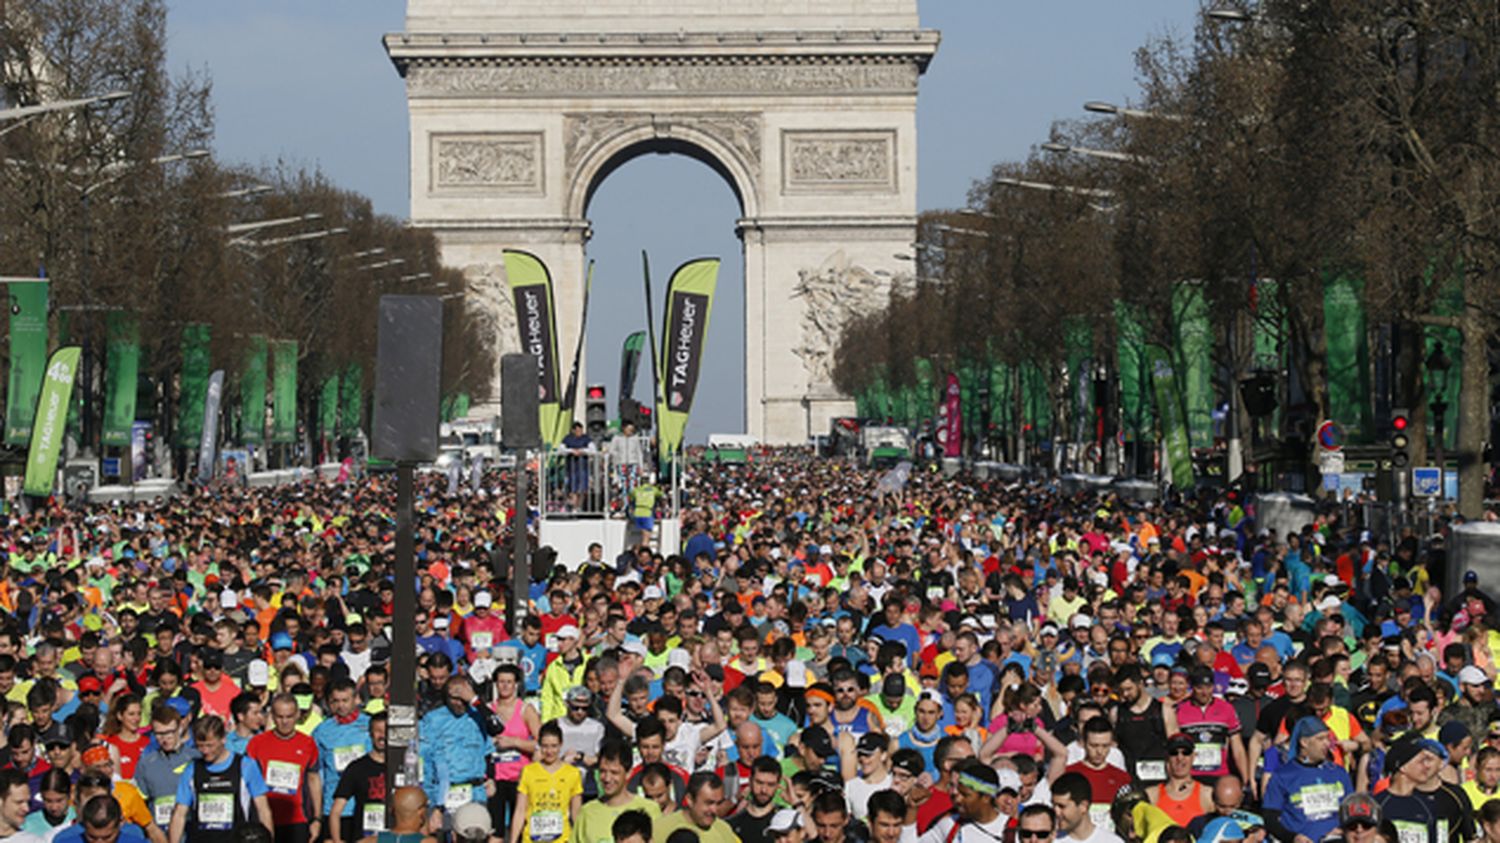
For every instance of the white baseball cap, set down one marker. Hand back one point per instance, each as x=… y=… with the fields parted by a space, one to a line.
x=567 y=631
x=228 y=599
x=259 y=674
x=483 y=600
x=652 y=592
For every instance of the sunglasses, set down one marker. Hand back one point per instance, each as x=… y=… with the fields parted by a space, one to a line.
x=1177 y=752
x=1032 y=834
x=1362 y=825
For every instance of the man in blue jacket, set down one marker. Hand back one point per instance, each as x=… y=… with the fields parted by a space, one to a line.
x=1301 y=804
x=341 y=739
x=455 y=741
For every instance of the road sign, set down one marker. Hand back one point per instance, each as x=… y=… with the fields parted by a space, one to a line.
x=1426 y=481
x=1331 y=462
x=1331 y=436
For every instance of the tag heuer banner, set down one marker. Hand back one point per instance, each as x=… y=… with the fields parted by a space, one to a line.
x=28 y=358
x=51 y=416
x=1174 y=429
x=194 y=384
x=253 y=393
x=121 y=368
x=531 y=291
x=209 y=441
x=284 y=392
x=690 y=298
x=630 y=362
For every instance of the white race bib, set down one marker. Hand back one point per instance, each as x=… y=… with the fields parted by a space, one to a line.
x=1320 y=801
x=1151 y=771
x=216 y=810
x=373 y=818
x=1410 y=832
x=1099 y=813
x=1208 y=756
x=283 y=776
x=545 y=825
x=161 y=810
x=482 y=640
x=343 y=756
x=458 y=795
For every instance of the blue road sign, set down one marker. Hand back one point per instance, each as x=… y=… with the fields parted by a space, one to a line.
x=111 y=466
x=1426 y=481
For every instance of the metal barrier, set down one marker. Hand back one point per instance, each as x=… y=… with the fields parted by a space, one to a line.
x=599 y=483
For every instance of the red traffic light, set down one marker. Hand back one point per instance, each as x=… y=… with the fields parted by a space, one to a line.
x=596 y=393
x=1399 y=423
x=645 y=411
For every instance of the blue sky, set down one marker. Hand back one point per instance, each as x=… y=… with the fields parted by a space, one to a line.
x=308 y=83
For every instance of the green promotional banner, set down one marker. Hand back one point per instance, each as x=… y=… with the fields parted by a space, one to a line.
x=253 y=393
x=1348 y=349
x=351 y=400
x=328 y=406
x=1169 y=410
x=1036 y=402
x=690 y=301
x=28 y=359
x=536 y=319
x=925 y=397
x=1135 y=409
x=121 y=369
x=195 y=359
x=283 y=392
x=51 y=419
x=1078 y=339
x=1194 y=361
x=1002 y=399
x=461 y=404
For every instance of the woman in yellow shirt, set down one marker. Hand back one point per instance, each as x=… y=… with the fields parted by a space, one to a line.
x=549 y=793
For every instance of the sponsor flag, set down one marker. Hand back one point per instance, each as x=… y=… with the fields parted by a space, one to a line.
x=194 y=384
x=950 y=418
x=690 y=299
x=28 y=358
x=1348 y=358
x=328 y=407
x=209 y=441
x=351 y=400
x=284 y=392
x=630 y=362
x=121 y=370
x=51 y=417
x=1130 y=347
x=253 y=393
x=531 y=292
x=1169 y=410
x=1195 y=362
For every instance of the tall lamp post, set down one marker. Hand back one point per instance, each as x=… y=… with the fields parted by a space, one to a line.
x=1438 y=365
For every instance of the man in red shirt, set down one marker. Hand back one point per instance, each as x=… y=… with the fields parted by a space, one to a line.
x=483 y=629
x=288 y=760
x=215 y=689
x=1105 y=780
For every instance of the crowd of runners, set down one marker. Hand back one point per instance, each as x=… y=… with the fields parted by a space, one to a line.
x=830 y=657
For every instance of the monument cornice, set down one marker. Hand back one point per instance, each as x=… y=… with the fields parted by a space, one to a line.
x=916 y=46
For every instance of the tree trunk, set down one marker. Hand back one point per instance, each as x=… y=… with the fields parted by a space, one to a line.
x=1473 y=411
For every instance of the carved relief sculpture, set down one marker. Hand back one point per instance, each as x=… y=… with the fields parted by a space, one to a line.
x=833 y=295
x=509 y=162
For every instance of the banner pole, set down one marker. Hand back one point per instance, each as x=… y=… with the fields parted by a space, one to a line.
x=655 y=363
x=565 y=418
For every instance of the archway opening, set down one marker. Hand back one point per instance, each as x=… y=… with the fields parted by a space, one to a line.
x=677 y=206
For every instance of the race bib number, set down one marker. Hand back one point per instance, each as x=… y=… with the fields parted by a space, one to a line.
x=545 y=825
x=508 y=756
x=373 y=818
x=343 y=756
x=1208 y=756
x=1099 y=813
x=458 y=796
x=161 y=810
x=1151 y=771
x=894 y=726
x=216 y=811
x=1410 y=832
x=283 y=776
x=482 y=640
x=1320 y=801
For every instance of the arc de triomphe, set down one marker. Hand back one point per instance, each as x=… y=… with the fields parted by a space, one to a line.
x=521 y=108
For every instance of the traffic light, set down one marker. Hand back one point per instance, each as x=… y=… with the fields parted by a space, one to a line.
x=595 y=414
x=1400 y=440
x=636 y=413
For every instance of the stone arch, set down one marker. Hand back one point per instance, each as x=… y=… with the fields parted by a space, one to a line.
x=598 y=144
x=807 y=109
